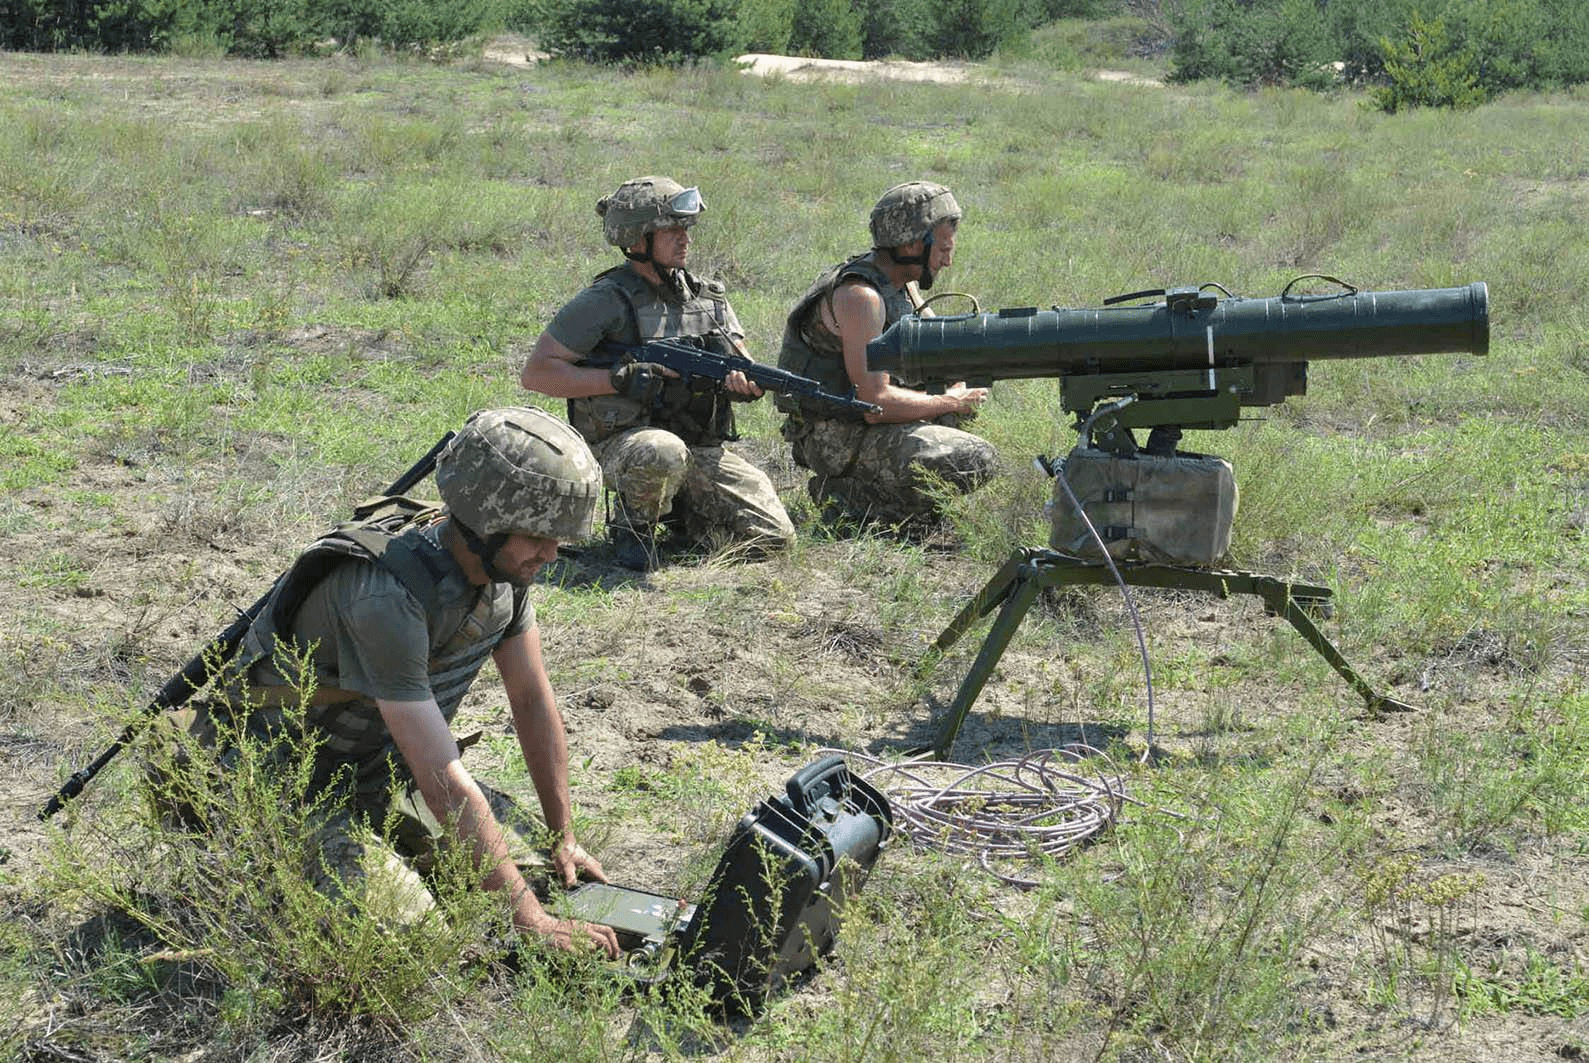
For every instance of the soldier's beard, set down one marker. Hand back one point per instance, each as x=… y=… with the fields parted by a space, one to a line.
x=500 y=575
x=486 y=551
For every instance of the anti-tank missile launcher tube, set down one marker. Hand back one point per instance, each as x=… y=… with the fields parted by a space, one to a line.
x=1188 y=329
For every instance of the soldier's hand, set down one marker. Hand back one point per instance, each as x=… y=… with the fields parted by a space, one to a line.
x=641 y=381
x=571 y=934
x=966 y=399
x=740 y=386
x=569 y=859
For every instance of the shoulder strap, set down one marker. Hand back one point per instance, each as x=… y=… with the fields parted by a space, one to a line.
x=372 y=536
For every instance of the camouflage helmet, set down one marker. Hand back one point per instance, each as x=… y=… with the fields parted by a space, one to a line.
x=520 y=471
x=907 y=213
x=645 y=205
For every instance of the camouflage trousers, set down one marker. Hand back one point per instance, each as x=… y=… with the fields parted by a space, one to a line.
x=897 y=473
x=387 y=874
x=376 y=848
x=726 y=498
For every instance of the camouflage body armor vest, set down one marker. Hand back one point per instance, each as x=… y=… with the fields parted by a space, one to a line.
x=700 y=418
x=809 y=349
x=390 y=532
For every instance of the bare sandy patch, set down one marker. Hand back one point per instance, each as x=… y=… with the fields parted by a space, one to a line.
x=1126 y=77
x=513 y=50
x=797 y=68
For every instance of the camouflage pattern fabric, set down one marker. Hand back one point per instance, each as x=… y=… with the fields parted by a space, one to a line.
x=519 y=470
x=727 y=497
x=889 y=472
x=907 y=212
x=642 y=205
x=389 y=879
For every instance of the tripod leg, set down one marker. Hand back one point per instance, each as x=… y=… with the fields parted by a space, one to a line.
x=1024 y=592
x=986 y=600
x=1284 y=604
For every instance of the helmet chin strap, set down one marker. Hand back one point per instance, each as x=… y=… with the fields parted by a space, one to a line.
x=641 y=256
x=924 y=260
x=485 y=551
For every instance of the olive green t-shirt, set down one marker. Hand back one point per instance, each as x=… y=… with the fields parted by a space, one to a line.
x=371 y=637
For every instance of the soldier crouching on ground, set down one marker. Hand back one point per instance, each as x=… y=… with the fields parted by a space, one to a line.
x=889 y=466
x=660 y=442
x=396 y=630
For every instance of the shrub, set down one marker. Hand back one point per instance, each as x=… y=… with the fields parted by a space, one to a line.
x=1562 y=54
x=765 y=26
x=257 y=28
x=827 y=28
x=1426 y=68
x=974 y=29
x=231 y=902
x=1443 y=50
x=636 y=31
x=895 y=28
x=1278 y=42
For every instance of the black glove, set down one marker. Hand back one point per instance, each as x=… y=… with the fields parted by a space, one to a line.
x=641 y=381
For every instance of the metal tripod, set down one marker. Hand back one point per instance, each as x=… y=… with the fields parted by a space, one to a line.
x=1015 y=587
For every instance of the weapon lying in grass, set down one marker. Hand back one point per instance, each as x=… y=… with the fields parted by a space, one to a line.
x=699 y=366
x=208 y=661
x=1185 y=359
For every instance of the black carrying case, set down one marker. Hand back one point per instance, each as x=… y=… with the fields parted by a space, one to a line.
x=774 y=902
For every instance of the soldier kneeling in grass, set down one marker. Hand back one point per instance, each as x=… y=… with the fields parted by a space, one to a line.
x=388 y=632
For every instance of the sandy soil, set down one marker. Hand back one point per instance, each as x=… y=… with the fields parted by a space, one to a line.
x=520 y=51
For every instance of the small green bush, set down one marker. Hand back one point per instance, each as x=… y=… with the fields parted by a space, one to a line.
x=1427 y=68
x=636 y=31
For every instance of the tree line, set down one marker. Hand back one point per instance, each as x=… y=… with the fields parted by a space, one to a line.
x=1451 y=53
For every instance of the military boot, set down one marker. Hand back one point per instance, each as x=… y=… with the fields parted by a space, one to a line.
x=831 y=494
x=634 y=541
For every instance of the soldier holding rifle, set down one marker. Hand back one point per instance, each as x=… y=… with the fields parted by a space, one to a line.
x=659 y=437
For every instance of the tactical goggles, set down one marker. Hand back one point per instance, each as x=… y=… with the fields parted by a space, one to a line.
x=687 y=204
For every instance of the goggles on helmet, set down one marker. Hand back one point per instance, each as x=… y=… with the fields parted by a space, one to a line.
x=687 y=203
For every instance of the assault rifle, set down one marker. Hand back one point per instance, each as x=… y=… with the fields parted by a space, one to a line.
x=693 y=363
x=208 y=662
x=1185 y=359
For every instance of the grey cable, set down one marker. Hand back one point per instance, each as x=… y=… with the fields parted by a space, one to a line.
x=1005 y=813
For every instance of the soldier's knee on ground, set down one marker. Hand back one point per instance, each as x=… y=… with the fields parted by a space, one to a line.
x=965 y=467
x=354 y=864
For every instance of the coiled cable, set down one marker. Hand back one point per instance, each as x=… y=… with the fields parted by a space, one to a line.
x=1004 y=814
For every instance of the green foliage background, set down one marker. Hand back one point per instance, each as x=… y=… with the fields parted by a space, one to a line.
x=1445 y=53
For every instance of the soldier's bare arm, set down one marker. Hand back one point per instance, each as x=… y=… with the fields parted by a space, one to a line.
x=550 y=369
x=421 y=735
x=544 y=742
x=856 y=315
